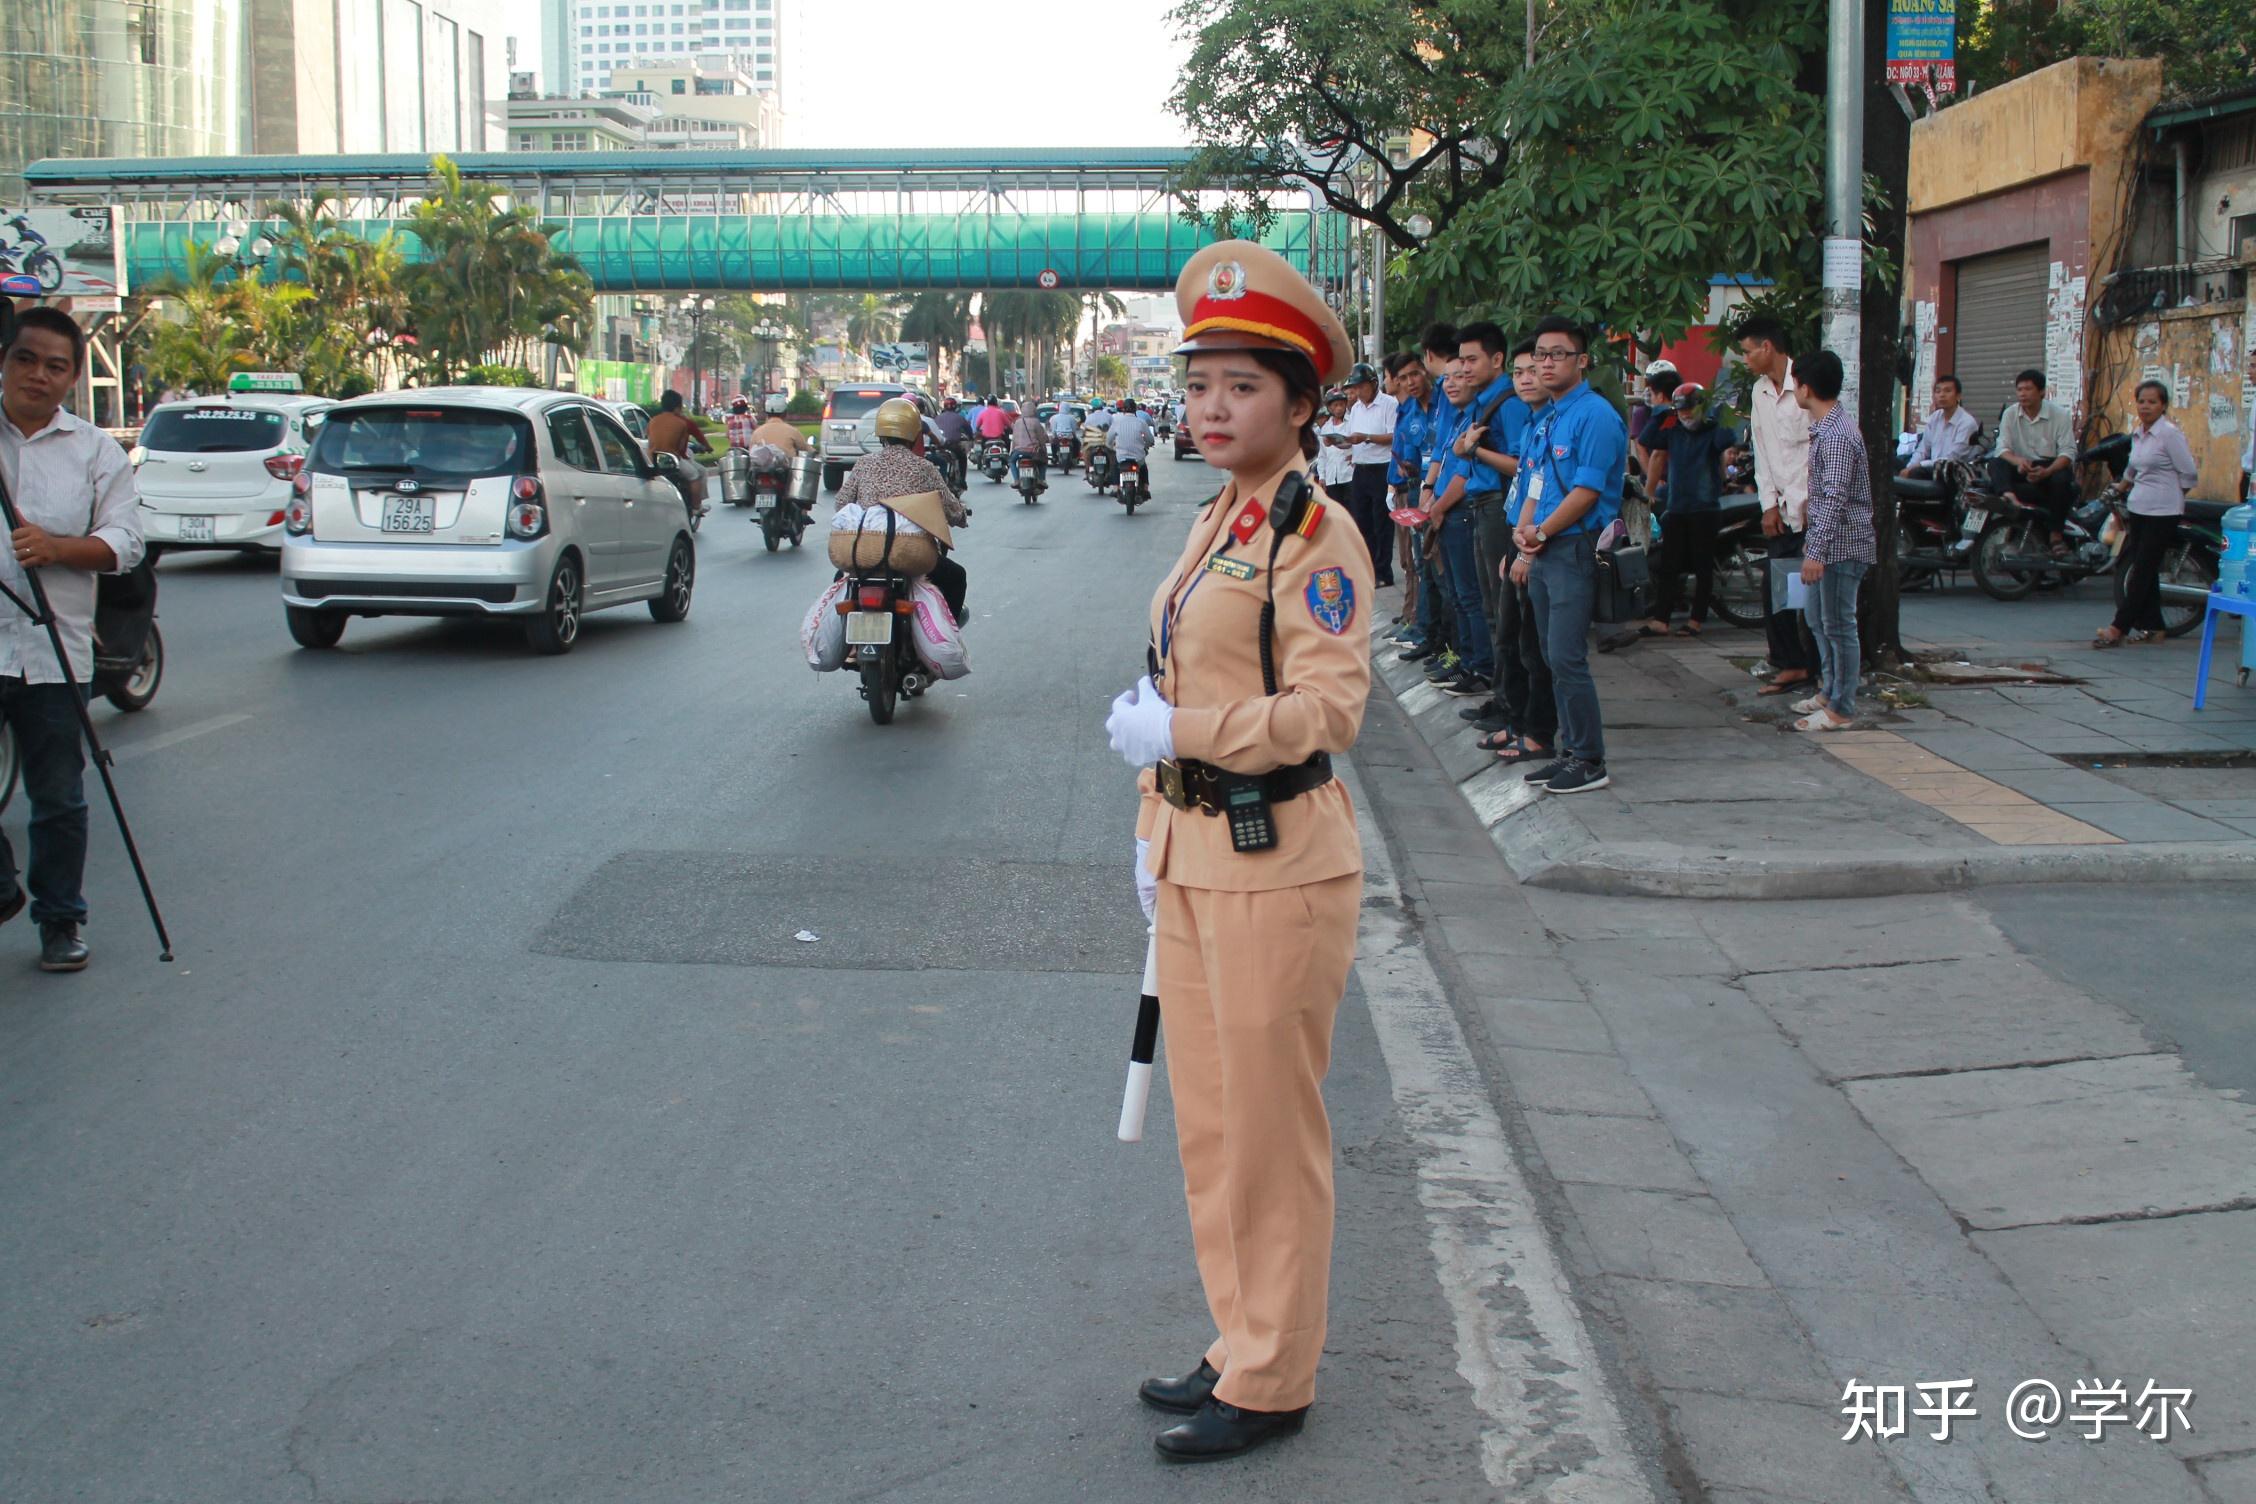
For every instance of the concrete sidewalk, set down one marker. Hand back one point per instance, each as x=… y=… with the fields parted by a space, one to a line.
x=2066 y=765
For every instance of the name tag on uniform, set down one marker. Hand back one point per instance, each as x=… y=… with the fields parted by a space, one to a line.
x=1535 y=486
x=1236 y=569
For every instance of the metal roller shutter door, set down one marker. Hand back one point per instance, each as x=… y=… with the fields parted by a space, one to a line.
x=2001 y=326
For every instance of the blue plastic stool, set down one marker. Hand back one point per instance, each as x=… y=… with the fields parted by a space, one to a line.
x=2221 y=604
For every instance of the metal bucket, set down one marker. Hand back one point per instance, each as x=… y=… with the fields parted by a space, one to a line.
x=806 y=478
x=736 y=478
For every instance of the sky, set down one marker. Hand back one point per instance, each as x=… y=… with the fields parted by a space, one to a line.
x=875 y=73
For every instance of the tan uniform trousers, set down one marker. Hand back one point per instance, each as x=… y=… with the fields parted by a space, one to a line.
x=1249 y=984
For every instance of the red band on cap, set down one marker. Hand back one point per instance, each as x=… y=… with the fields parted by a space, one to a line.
x=1259 y=313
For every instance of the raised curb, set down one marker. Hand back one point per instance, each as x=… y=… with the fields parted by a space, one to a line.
x=1548 y=846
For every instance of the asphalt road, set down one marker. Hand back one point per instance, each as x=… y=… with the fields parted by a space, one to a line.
x=493 y=1138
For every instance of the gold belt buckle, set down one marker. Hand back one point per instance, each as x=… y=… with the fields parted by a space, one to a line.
x=1171 y=784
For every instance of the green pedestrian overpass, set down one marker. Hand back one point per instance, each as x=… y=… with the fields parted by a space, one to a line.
x=728 y=221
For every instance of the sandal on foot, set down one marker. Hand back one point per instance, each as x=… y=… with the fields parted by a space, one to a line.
x=1822 y=719
x=2100 y=639
x=1689 y=629
x=1522 y=752
x=1783 y=686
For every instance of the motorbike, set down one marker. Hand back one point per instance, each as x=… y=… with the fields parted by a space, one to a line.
x=671 y=467
x=949 y=460
x=878 y=609
x=776 y=509
x=1062 y=454
x=30 y=256
x=129 y=655
x=1031 y=483
x=1930 y=525
x=994 y=460
x=2011 y=554
x=1135 y=485
x=1096 y=463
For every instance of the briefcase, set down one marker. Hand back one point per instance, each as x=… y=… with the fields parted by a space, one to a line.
x=1624 y=580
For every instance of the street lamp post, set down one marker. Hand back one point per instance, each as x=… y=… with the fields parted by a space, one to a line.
x=697 y=308
x=769 y=335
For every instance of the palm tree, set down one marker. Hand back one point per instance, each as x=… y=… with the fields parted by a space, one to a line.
x=1096 y=304
x=941 y=321
x=354 y=303
x=872 y=321
x=489 y=282
x=223 y=321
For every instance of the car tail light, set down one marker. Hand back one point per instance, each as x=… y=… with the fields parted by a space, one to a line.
x=826 y=410
x=276 y=518
x=871 y=597
x=528 y=515
x=285 y=466
x=297 y=517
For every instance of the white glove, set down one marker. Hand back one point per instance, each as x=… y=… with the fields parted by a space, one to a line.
x=1147 y=886
x=1142 y=726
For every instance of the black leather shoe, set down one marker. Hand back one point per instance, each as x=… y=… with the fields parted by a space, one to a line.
x=60 y=949
x=13 y=904
x=1222 y=1430
x=1183 y=1395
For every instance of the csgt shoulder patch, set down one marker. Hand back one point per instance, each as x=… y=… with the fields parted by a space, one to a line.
x=1331 y=600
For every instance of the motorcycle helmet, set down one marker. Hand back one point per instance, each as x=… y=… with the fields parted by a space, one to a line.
x=1691 y=401
x=948 y=404
x=776 y=405
x=1661 y=367
x=1359 y=373
x=898 y=419
x=1128 y=405
x=739 y=405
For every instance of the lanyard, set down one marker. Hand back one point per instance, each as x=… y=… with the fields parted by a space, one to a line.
x=1184 y=590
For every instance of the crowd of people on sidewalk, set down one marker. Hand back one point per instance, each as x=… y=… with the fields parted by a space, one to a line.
x=1490 y=474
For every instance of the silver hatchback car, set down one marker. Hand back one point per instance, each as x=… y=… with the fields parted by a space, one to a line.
x=481 y=501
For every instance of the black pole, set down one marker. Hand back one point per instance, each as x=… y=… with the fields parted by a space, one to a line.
x=39 y=611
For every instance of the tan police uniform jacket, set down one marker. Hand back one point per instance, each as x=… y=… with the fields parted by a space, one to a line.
x=1209 y=616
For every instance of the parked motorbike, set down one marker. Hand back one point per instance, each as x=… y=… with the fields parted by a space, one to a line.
x=1931 y=536
x=1030 y=484
x=994 y=460
x=1135 y=485
x=878 y=609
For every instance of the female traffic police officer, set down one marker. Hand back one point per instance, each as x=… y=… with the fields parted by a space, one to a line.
x=1261 y=663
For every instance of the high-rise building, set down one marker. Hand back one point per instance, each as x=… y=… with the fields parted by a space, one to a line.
x=156 y=78
x=608 y=35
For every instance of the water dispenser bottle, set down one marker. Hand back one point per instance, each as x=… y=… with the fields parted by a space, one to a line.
x=2233 y=569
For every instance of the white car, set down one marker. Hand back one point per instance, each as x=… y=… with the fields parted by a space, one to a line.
x=482 y=501
x=215 y=472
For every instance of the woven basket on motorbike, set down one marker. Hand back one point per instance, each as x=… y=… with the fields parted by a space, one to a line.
x=910 y=554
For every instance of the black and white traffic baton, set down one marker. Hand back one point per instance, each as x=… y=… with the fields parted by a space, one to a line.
x=41 y=612
x=1145 y=1046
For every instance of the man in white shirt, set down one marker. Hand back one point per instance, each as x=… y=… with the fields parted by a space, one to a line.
x=1781 y=439
x=1335 y=471
x=73 y=492
x=1370 y=425
x=1131 y=433
x=1950 y=432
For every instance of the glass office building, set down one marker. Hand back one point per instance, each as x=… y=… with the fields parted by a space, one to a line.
x=167 y=78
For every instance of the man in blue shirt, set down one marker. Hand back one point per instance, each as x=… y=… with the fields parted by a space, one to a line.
x=1529 y=725
x=1576 y=452
x=1689 y=499
x=1438 y=349
x=1413 y=392
x=1488 y=443
x=1473 y=477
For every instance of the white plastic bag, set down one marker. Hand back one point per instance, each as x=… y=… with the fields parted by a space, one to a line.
x=853 y=517
x=823 y=633
x=939 y=641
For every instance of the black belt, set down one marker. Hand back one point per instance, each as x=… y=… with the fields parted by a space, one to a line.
x=1481 y=501
x=1202 y=785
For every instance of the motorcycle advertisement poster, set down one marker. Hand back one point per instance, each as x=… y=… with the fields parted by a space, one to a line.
x=73 y=253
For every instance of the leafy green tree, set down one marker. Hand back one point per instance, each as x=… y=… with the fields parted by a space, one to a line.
x=354 y=301
x=489 y=283
x=873 y=320
x=2204 y=45
x=1327 y=93
x=1648 y=153
x=940 y=321
x=1111 y=375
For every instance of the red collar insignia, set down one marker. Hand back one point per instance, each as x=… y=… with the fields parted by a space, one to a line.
x=1248 y=521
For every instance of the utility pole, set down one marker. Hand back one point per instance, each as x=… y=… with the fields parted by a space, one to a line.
x=1378 y=294
x=1844 y=190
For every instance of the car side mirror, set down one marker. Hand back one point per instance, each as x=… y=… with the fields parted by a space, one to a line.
x=667 y=461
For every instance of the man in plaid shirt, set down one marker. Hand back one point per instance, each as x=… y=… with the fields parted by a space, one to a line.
x=1839 y=546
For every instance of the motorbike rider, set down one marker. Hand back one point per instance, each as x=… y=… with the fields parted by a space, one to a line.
x=893 y=469
x=739 y=424
x=1028 y=440
x=994 y=422
x=779 y=434
x=1100 y=414
x=1130 y=436
x=671 y=432
x=1063 y=425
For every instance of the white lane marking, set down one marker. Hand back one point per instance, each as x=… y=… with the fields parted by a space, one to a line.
x=175 y=737
x=1550 y=1428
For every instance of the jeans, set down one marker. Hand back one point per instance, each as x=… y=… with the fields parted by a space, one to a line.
x=1434 y=616
x=2150 y=539
x=1688 y=547
x=1563 y=585
x=1457 y=550
x=1833 y=622
x=1790 y=646
x=1368 y=502
x=53 y=759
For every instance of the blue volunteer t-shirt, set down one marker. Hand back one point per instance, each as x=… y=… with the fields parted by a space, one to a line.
x=1505 y=433
x=1411 y=422
x=1578 y=441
